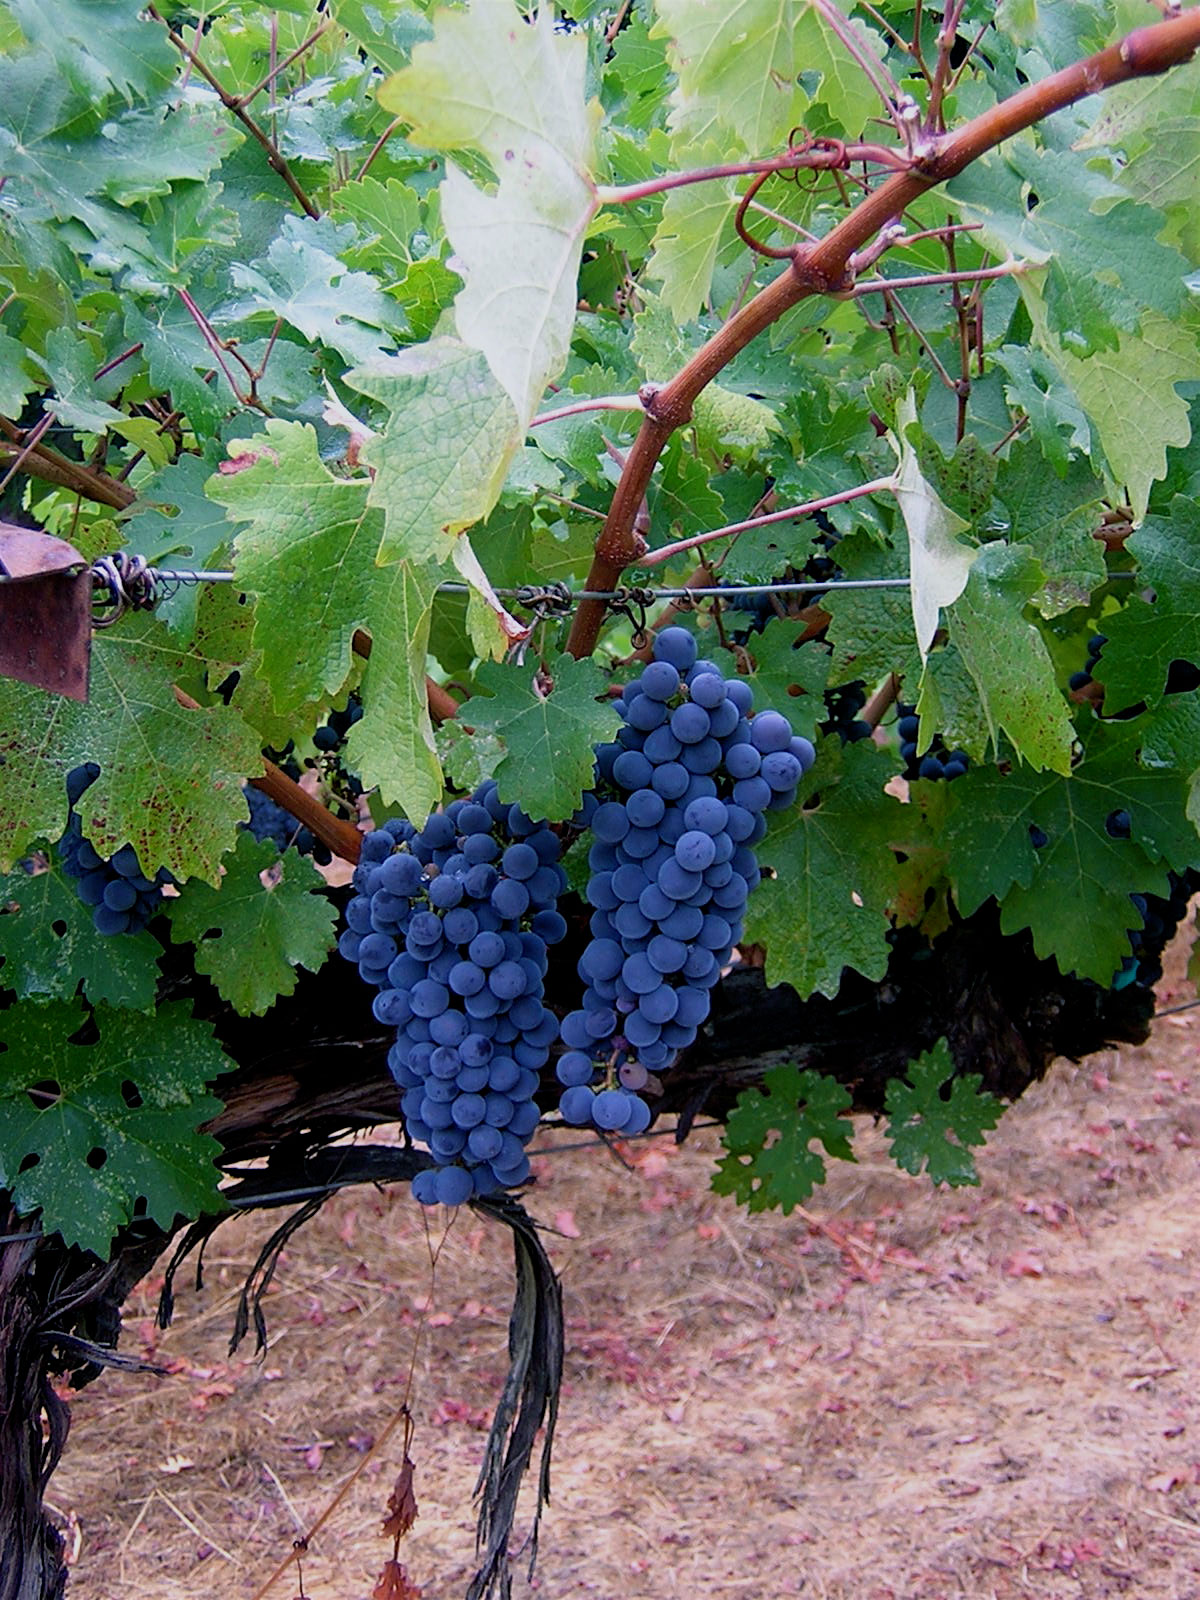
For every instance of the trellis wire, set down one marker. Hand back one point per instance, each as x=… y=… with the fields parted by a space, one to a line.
x=124 y=582
x=171 y=578
x=166 y=580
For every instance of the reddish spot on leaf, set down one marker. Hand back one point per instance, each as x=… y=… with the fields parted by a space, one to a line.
x=244 y=462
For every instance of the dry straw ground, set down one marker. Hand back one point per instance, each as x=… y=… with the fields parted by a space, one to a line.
x=899 y=1395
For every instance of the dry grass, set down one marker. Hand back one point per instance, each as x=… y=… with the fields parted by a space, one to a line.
x=899 y=1395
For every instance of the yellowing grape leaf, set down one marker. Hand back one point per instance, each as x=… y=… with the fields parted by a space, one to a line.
x=491 y=81
x=938 y=562
x=441 y=461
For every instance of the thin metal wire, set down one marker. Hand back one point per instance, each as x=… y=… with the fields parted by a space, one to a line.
x=558 y=597
x=731 y=591
x=530 y=594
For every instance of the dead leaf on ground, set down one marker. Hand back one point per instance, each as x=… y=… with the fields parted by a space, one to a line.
x=1023 y=1264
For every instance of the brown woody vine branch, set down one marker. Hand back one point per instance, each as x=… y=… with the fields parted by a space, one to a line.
x=342 y=837
x=233 y=103
x=822 y=268
x=52 y=467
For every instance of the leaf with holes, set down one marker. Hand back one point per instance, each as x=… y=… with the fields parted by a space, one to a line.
x=769 y=1137
x=263 y=923
x=87 y=1130
x=49 y=945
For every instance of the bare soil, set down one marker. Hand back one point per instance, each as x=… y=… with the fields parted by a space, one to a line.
x=896 y=1394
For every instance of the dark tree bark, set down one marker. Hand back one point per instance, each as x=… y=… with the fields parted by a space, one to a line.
x=33 y=1430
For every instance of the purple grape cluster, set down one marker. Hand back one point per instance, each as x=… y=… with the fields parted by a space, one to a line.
x=681 y=798
x=451 y=923
x=122 y=897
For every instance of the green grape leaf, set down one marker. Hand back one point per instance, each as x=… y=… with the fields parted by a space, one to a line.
x=264 y=922
x=1106 y=268
x=388 y=214
x=740 y=70
x=1036 y=387
x=835 y=873
x=964 y=479
x=1129 y=395
x=307 y=549
x=689 y=233
x=788 y=676
x=1146 y=635
x=1057 y=518
x=15 y=382
x=548 y=739
x=69 y=362
x=302 y=280
x=86 y=1130
x=846 y=91
x=469 y=758
x=1008 y=659
x=69 y=159
x=730 y=423
x=169 y=776
x=1156 y=121
x=769 y=1138
x=929 y=1130
x=1072 y=892
x=100 y=44
x=737 y=72
x=948 y=703
x=173 y=517
x=1172 y=738
x=680 y=497
x=48 y=945
x=177 y=357
x=441 y=460
x=386 y=34
x=512 y=89
x=871 y=630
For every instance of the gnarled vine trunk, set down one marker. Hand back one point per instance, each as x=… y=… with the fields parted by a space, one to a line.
x=33 y=1430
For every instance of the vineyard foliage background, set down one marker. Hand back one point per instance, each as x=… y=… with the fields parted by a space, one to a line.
x=370 y=303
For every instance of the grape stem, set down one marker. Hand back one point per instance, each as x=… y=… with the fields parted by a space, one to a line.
x=822 y=269
x=886 y=694
x=343 y=838
x=787 y=514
